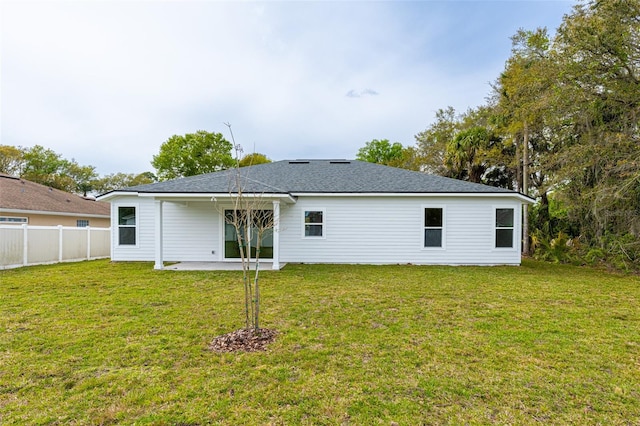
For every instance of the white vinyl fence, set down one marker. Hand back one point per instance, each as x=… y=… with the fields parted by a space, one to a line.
x=36 y=245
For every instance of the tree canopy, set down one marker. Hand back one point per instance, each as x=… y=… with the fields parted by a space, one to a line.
x=193 y=154
x=11 y=160
x=381 y=151
x=46 y=167
x=119 y=180
x=253 y=159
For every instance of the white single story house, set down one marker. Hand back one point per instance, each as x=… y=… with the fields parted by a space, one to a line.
x=324 y=211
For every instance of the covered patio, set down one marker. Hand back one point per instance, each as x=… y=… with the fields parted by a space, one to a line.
x=264 y=213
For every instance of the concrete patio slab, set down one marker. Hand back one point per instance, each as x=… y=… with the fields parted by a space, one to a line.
x=217 y=266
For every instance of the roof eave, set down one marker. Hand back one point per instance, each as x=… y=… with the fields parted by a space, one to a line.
x=202 y=196
x=517 y=195
x=291 y=197
x=111 y=194
x=54 y=213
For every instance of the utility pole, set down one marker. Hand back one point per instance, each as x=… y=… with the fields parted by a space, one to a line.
x=525 y=190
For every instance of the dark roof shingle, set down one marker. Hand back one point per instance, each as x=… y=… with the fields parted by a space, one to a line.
x=317 y=176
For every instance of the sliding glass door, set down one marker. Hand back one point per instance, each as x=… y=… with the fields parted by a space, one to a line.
x=261 y=223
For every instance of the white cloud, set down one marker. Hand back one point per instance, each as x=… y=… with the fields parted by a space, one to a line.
x=353 y=93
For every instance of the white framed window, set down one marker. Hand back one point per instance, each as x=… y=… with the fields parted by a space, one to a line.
x=82 y=223
x=127 y=225
x=13 y=220
x=313 y=223
x=504 y=227
x=433 y=227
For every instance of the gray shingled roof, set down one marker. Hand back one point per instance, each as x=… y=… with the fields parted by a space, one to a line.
x=317 y=176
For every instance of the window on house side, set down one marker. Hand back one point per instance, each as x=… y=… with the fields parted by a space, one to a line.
x=504 y=228
x=82 y=223
x=127 y=226
x=313 y=223
x=11 y=219
x=433 y=226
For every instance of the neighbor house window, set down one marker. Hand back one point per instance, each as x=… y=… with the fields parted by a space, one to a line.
x=127 y=226
x=13 y=220
x=82 y=223
x=504 y=228
x=433 y=226
x=314 y=223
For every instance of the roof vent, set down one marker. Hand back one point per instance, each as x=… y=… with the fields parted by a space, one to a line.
x=340 y=162
x=298 y=162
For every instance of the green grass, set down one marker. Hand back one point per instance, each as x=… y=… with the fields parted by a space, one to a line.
x=103 y=343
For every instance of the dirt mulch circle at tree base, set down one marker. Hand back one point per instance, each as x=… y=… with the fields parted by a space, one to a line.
x=243 y=340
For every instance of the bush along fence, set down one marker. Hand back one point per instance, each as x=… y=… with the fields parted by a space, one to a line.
x=37 y=245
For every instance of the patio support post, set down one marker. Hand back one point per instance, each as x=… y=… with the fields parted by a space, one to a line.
x=158 y=237
x=276 y=235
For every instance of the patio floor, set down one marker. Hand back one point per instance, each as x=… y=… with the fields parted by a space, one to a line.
x=217 y=266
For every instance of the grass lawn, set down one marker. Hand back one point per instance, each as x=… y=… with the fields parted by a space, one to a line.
x=102 y=343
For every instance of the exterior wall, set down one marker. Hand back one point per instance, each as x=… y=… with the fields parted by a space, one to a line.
x=55 y=220
x=190 y=232
x=391 y=230
x=378 y=230
x=145 y=246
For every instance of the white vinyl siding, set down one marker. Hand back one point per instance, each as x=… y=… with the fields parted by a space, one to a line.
x=391 y=230
x=359 y=229
x=190 y=231
x=143 y=250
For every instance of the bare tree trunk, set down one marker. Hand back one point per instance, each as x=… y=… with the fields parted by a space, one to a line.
x=256 y=324
x=247 y=266
x=238 y=225
x=250 y=221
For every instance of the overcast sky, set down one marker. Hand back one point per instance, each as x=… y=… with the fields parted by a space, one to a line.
x=107 y=82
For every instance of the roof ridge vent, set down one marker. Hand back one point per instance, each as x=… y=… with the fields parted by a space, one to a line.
x=299 y=162
x=339 y=162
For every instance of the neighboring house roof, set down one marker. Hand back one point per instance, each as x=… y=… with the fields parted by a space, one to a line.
x=22 y=196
